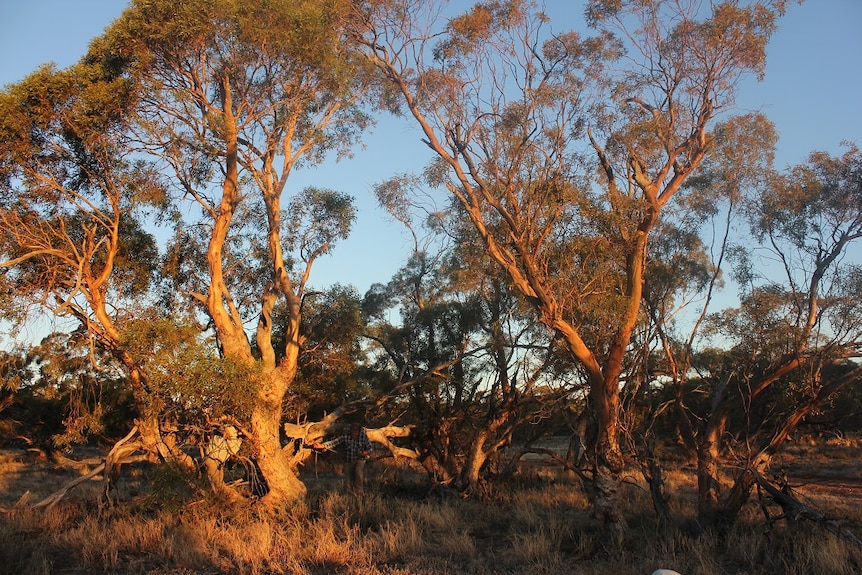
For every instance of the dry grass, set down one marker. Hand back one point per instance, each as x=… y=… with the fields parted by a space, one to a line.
x=530 y=526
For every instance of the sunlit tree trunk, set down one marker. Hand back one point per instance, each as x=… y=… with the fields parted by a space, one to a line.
x=274 y=462
x=277 y=466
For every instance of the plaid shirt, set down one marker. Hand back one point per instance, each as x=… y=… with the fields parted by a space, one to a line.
x=352 y=446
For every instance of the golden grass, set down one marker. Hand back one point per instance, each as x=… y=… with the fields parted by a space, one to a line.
x=521 y=528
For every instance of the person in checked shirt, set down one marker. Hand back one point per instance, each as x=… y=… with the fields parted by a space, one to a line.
x=355 y=447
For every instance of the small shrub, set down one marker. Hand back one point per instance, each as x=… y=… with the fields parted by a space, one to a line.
x=172 y=486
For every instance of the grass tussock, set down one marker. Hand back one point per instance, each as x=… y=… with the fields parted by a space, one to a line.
x=525 y=527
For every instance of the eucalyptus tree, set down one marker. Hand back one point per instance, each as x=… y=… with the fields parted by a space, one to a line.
x=797 y=335
x=507 y=108
x=73 y=197
x=687 y=264
x=233 y=97
x=794 y=340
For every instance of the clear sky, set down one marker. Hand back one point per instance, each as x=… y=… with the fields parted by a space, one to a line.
x=812 y=92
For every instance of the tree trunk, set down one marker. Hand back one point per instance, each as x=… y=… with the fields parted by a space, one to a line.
x=284 y=487
x=603 y=493
x=276 y=465
x=708 y=486
x=476 y=458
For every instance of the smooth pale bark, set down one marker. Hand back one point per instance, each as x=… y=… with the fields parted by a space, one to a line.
x=220 y=306
x=384 y=435
x=275 y=463
x=315 y=432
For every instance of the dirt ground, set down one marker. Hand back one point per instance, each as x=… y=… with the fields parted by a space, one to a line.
x=820 y=471
x=28 y=476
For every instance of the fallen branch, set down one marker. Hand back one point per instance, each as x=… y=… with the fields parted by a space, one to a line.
x=52 y=499
x=552 y=455
x=382 y=435
x=120 y=454
x=794 y=510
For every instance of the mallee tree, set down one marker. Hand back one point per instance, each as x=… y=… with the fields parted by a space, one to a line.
x=507 y=109
x=233 y=97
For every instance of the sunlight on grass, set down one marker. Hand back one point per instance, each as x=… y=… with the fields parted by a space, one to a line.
x=520 y=528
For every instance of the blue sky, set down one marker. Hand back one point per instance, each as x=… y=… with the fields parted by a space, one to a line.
x=812 y=92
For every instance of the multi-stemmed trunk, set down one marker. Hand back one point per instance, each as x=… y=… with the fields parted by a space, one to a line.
x=272 y=379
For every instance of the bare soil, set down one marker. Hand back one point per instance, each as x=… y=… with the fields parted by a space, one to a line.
x=830 y=468
x=814 y=468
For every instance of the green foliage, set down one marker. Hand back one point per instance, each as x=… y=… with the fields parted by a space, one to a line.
x=70 y=120
x=12 y=373
x=73 y=201
x=678 y=266
x=172 y=487
x=743 y=150
x=331 y=358
x=317 y=219
x=185 y=377
x=468 y=32
x=66 y=393
x=807 y=220
x=814 y=203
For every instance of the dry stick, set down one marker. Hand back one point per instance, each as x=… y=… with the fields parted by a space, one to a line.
x=114 y=457
x=795 y=510
x=52 y=499
x=558 y=458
